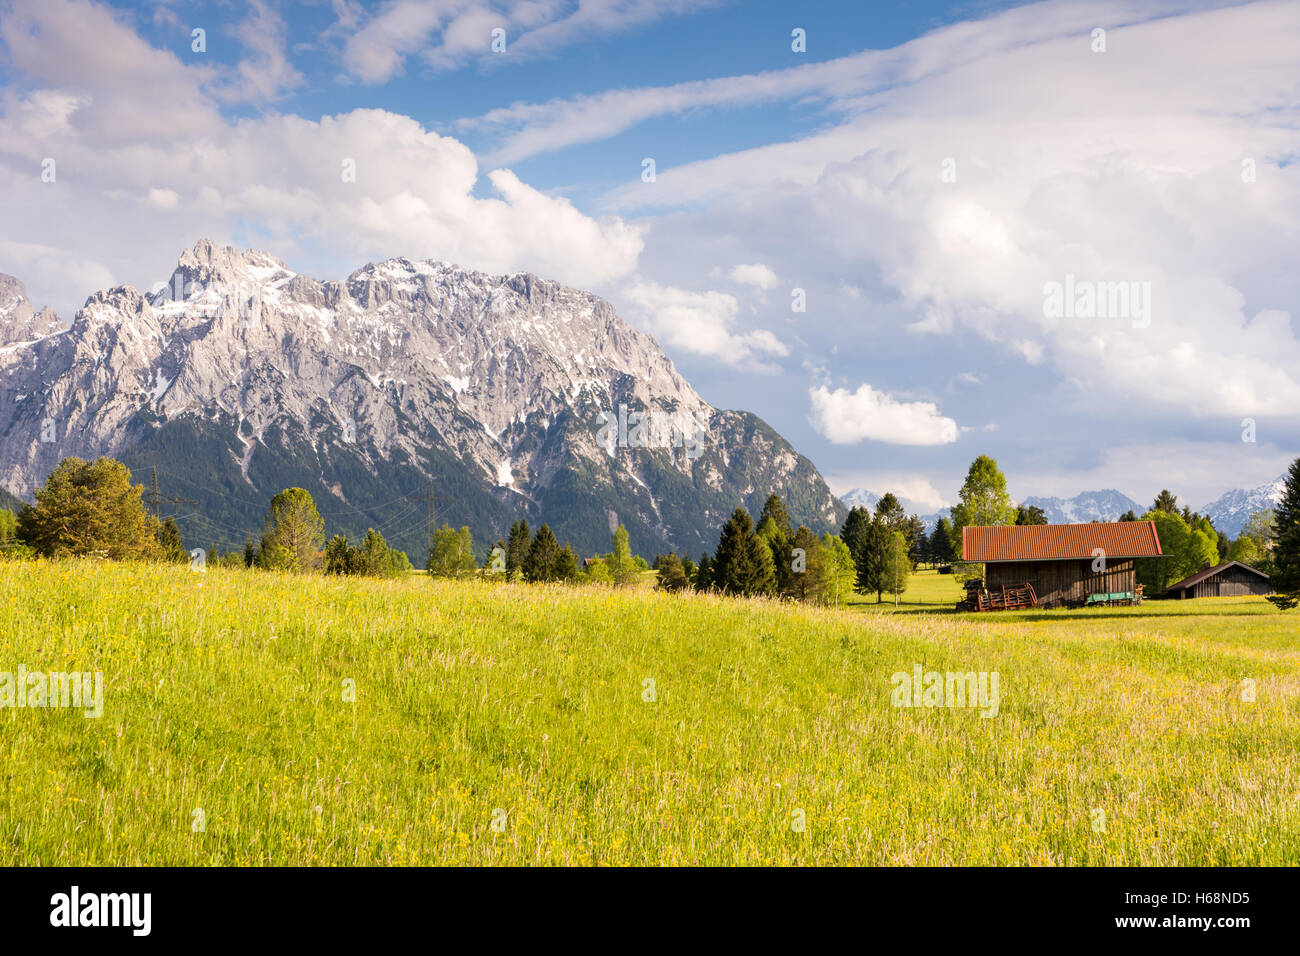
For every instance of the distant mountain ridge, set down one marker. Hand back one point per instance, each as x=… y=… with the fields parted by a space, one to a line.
x=1105 y=505
x=506 y=395
x=1231 y=510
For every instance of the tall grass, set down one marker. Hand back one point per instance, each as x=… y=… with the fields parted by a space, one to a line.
x=224 y=692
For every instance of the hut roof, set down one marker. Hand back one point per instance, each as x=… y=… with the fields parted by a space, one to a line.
x=1059 y=542
x=1199 y=576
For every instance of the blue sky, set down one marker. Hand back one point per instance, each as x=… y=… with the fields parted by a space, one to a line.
x=923 y=172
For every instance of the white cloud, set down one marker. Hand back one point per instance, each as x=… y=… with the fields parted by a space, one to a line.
x=758 y=275
x=1061 y=176
x=916 y=492
x=846 y=418
x=701 y=323
x=846 y=83
x=266 y=73
x=447 y=34
x=377 y=51
x=166 y=161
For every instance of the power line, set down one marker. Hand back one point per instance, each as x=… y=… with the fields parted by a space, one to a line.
x=157 y=499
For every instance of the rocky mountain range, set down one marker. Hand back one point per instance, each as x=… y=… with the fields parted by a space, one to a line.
x=1232 y=510
x=19 y=320
x=1105 y=505
x=1229 y=512
x=510 y=396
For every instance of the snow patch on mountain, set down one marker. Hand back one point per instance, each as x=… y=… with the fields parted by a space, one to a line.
x=1231 y=510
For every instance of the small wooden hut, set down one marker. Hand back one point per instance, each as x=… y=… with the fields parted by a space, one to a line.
x=1067 y=564
x=1230 y=579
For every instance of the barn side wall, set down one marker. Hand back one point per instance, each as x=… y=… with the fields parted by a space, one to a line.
x=1231 y=582
x=1063 y=582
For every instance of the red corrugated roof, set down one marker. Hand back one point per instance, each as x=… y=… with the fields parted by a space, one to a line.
x=1060 y=542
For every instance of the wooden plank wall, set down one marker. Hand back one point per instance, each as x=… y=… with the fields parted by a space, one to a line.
x=1231 y=582
x=1063 y=582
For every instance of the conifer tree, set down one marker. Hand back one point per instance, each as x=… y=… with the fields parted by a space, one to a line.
x=1286 y=543
x=671 y=574
x=517 y=545
x=543 y=555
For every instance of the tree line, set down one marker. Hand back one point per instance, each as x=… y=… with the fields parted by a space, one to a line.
x=92 y=509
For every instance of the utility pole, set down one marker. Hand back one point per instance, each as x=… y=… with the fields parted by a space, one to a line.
x=156 y=499
x=433 y=511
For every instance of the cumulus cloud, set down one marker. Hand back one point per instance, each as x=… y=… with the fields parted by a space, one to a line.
x=966 y=189
x=846 y=418
x=701 y=323
x=140 y=140
x=758 y=275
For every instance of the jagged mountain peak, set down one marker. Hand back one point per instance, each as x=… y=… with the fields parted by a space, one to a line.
x=363 y=390
x=1231 y=510
x=19 y=319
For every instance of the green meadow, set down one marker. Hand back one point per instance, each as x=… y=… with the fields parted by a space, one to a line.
x=253 y=717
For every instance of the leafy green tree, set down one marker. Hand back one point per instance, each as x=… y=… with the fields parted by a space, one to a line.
x=11 y=547
x=1245 y=550
x=838 y=569
x=807 y=580
x=689 y=569
x=983 y=499
x=517 y=545
x=597 y=572
x=1185 y=551
x=1203 y=551
x=1286 y=543
x=89 y=508
x=543 y=554
x=452 y=554
x=1030 y=514
x=621 y=566
x=293 y=533
x=982 y=502
x=897 y=566
x=1259 y=529
x=671 y=574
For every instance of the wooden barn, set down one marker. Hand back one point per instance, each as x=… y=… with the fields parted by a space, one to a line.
x=1058 y=559
x=1230 y=579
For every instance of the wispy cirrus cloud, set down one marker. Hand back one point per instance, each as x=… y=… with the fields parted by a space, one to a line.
x=448 y=34
x=846 y=85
